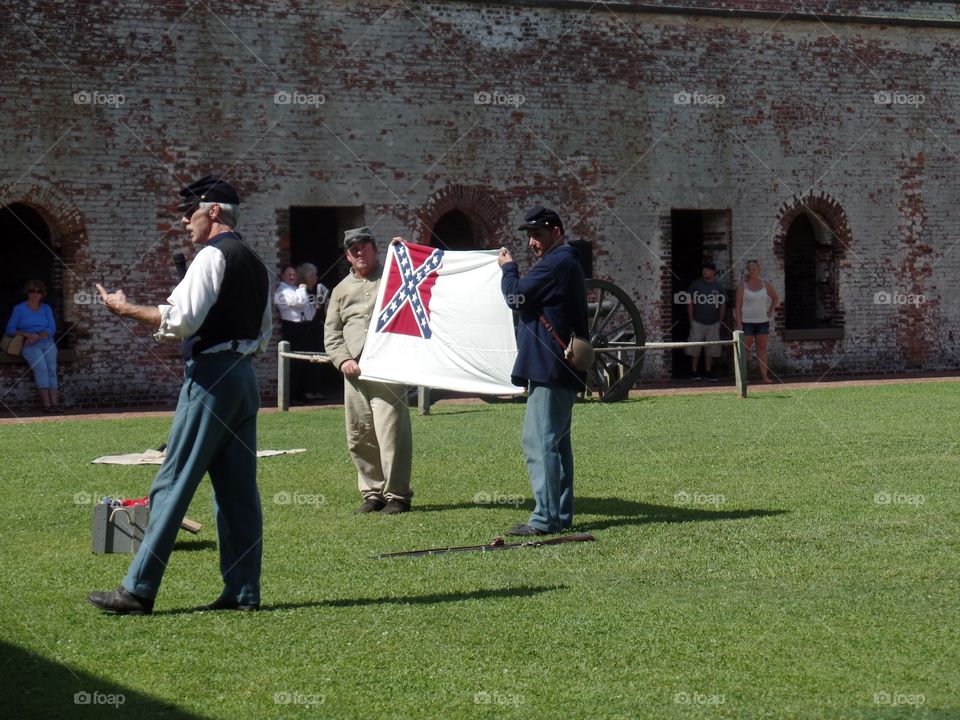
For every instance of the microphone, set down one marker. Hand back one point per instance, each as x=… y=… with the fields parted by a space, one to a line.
x=180 y=262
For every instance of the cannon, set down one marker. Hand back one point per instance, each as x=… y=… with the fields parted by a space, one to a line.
x=616 y=332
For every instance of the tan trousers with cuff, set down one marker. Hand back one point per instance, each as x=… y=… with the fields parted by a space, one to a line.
x=379 y=438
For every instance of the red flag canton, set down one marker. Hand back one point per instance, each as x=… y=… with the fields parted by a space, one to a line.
x=409 y=283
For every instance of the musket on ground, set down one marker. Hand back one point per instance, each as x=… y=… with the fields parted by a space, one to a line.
x=496 y=544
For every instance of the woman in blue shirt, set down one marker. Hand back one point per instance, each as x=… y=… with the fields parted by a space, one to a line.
x=34 y=320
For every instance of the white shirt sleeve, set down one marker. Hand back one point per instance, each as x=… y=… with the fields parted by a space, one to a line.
x=191 y=300
x=291 y=297
x=290 y=301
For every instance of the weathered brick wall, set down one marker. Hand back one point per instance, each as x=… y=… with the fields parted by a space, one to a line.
x=916 y=9
x=410 y=109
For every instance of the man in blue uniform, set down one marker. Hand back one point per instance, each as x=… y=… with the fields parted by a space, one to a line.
x=552 y=302
x=221 y=312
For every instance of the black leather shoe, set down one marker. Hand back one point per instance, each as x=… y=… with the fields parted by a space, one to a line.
x=395 y=506
x=371 y=504
x=121 y=602
x=227 y=603
x=524 y=530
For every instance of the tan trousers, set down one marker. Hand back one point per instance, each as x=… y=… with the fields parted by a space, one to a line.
x=379 y=438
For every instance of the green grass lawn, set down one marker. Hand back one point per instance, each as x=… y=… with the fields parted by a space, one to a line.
x=794 y=554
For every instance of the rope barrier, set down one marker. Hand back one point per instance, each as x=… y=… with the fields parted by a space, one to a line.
x=309 y=356
x=284 y=355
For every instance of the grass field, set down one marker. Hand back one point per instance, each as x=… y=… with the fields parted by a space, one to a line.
x=791 y=555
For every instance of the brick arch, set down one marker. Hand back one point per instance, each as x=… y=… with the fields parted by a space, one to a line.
x=833 y=237
x=823 y=210
x=60 y=214
x=72 y=270
x=488 y=218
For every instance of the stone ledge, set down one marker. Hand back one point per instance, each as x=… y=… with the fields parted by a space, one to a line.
x=813 y=334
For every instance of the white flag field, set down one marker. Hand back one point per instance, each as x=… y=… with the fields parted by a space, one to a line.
x=440 y=321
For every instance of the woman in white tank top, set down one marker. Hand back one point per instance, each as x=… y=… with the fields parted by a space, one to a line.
x=756 y=303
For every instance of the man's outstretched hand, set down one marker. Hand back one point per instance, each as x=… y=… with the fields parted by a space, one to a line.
x=115 y=301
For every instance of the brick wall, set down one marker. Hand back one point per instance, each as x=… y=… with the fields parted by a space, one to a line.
x=613 y=115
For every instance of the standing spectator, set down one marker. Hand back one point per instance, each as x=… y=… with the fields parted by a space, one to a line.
x=706 y=309
x=552 y=302
x=379 y=435
x=756 y=303
x=221 y=311
x=294 y=305
x=312 y=329
x=33 y=319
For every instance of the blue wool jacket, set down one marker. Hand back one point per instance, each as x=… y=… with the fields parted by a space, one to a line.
x=555 y=286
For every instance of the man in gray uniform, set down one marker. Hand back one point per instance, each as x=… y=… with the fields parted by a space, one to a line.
x=221 y=311
x=379 y=436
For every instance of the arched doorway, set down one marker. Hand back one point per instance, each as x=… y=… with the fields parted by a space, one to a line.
x=28 y=254
x=462 y=217
x=800 y=275
x=454 y=231
x=812 y=242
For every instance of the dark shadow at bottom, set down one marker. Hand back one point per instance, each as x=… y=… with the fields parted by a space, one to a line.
x=491 y=594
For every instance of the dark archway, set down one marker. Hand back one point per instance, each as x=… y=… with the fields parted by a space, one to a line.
x=800 y=275
x=812 y=244
x=454 y=231
x=28 y=254
x=462 y=217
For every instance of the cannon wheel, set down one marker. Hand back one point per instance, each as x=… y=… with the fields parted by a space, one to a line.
x=613 y=321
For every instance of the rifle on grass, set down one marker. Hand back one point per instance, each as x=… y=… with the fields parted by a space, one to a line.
x=496 y=544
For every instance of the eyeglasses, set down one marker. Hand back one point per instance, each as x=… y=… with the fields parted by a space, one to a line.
x=35 y=290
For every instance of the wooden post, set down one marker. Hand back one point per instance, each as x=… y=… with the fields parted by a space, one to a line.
x=283 y=376
x=740 y=362
x=423 y=400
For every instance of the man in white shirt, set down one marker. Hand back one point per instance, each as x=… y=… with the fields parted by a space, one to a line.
x=221 y=313
x=298 y=299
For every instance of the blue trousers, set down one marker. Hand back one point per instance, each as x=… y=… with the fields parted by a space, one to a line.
x=546 y=445
x=42 y=356
x=214 y=430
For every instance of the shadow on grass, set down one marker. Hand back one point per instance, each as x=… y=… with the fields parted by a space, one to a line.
x=491 y=594
x=442 y=412
x=622 y=512
x=41 y=688
x=525 y=505
x=194 y=545
x=628 y=512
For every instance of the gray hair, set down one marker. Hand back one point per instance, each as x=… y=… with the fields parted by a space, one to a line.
x=304 y=271
x=229 y=214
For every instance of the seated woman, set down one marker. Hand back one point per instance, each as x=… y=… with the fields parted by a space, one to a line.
x=33 y=320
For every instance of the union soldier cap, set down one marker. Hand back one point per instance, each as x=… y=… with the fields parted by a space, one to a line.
x=541 y=217
x=209 y=189
x=352 y=237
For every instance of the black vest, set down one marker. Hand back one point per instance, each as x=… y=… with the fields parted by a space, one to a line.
x=238 y=310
